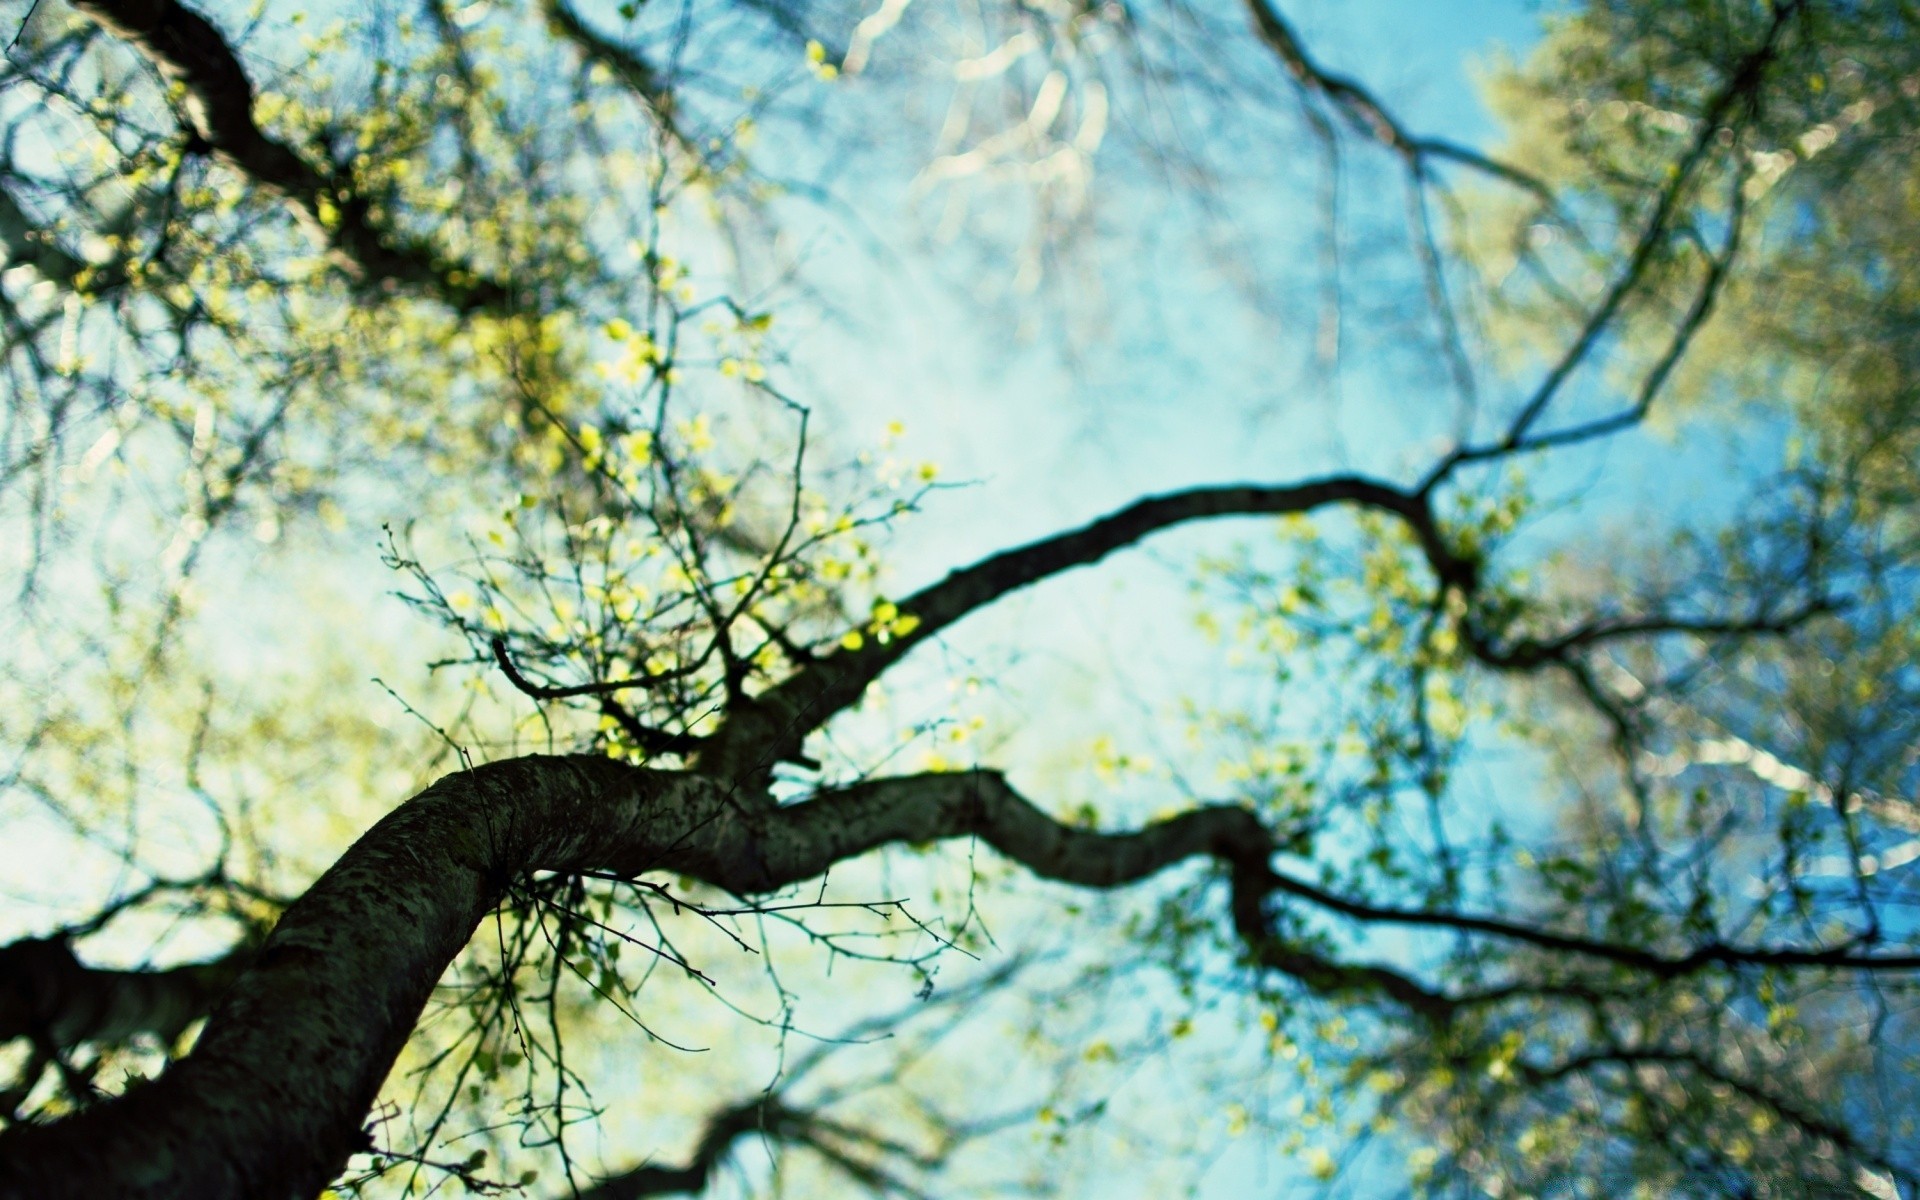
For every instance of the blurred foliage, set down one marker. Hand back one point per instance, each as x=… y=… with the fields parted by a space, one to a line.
x=521 y=302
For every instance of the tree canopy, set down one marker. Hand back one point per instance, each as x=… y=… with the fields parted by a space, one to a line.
x=1410 y=688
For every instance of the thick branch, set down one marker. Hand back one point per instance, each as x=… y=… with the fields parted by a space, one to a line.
x=772 y=727
x=188 y=51
x=843 y=824
x=50 y=996
x=270 y=1101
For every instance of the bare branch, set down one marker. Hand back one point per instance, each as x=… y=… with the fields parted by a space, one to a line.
x=770 y=727
x=28 y=242
x=1708 y=293
x=271 y=1099
x=1367 y=115
x=841 y=824
x=1696 y=1062
x=763 y=1116
x=1525 y=654
x=1741 y=88
x=603 y=688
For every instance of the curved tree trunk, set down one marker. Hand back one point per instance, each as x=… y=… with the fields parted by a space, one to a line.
x=270 y=1103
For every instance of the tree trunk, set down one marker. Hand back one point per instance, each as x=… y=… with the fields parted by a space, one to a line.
x=270 y=1102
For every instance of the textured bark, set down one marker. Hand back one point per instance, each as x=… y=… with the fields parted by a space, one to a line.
x=50 y=996
x=269 y=1103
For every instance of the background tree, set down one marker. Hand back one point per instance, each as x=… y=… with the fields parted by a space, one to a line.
x=439 y=269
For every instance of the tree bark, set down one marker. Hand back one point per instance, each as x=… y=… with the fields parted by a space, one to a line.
x=50 y=996
x=270 y=1102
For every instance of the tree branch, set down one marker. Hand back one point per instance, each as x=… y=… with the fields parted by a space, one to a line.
x=270 y=1101
x=922 y=808
x=607 y=687
x=31 y=243
x=1708 y=294
x=1792 y=1111
x=49 y=995
x=624 y=62
x=1741 y=88
x=772 y=726
x=765 y=1116
x=647 y=737
x=1369 y=116
x=218 y=98
x=1525 y=654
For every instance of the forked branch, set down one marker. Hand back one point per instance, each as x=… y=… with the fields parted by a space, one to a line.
x=773 y=726
x=271 y=1099
x=1366 y=114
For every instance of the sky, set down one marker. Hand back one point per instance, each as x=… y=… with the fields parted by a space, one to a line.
x=1177 y=330
x=1040 y=432
x=1047 y=437
x=1055 y=441
x=1044 y=442
x=1178 y=388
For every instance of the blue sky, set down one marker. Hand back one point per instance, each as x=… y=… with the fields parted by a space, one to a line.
x=1044 y=440
x=1044 y=443
x=1178 y=345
